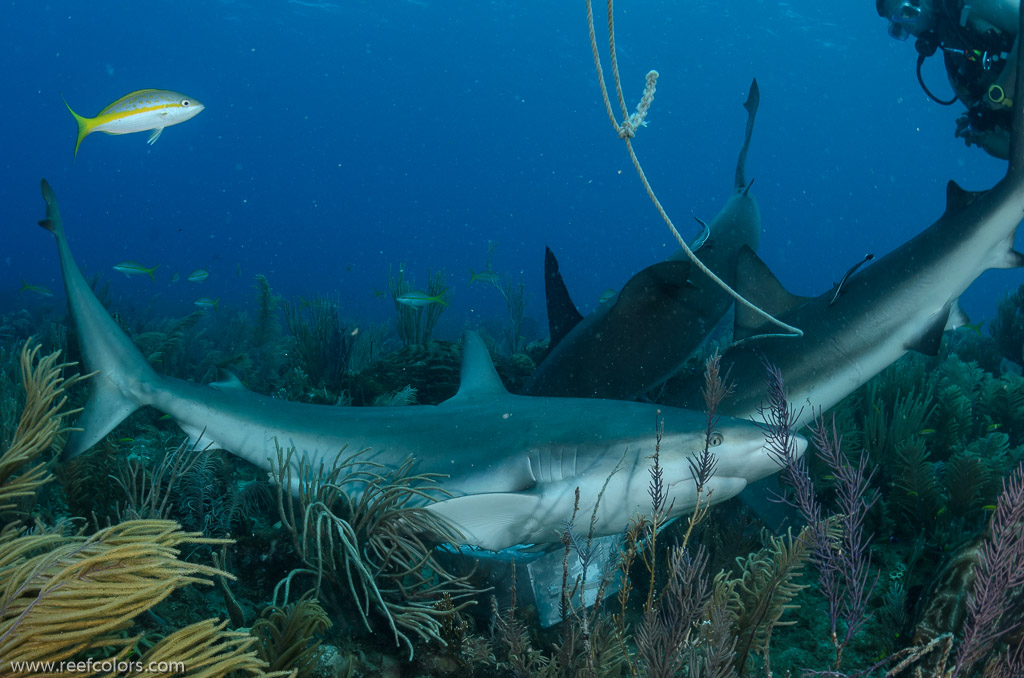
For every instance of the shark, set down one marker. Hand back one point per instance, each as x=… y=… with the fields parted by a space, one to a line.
x=899 y=303
x=512 y=464
x=638 y=338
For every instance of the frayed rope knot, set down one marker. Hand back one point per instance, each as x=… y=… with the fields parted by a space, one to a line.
x=629 y=126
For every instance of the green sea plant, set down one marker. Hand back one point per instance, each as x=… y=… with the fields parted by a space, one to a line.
x=322 y=343
x=1007 y=328
x=363 y=535
x=516 y=298
x=287 y=636
x=764 y=591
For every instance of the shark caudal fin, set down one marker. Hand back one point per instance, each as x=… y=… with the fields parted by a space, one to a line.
x=123 y=373
x=751 y=104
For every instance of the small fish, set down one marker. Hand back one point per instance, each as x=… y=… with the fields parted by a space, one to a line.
x=606 y=296
x=126 y=441
x=376 y=293
x=994 y=427
x=974 y=327
x=704 y=234
x=175 y=278
x=37 y=289
x=927 y=431
x=206 y=302
x=198 y=275
x=140 y=111
x=130 y=268
x=418 y=299
x=487 y=276
x=238 y=270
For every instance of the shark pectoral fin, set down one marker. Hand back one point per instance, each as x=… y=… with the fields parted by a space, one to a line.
x=756 y=282
x=562 y=313
x=652 y=286
x=105 y=409
x=930 y=339
x=491 y=521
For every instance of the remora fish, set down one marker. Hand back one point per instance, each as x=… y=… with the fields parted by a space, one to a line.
x=139 y=111
x=513 y=462
x=637 y=339
x=902 y=302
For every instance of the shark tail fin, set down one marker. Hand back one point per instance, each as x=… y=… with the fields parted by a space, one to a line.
x=751 y=104
x=124 y=376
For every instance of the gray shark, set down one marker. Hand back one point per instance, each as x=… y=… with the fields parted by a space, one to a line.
x=903 y=301
x=512 y=462
x=637 y=339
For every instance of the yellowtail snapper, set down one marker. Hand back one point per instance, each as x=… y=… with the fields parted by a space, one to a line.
x=130 y=268
x=141 y=111
x=37 y=289
x=207 y=303
x=198 y=275
x=418 y=299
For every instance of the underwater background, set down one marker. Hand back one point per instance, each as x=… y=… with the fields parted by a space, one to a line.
x=343 y=137
x=345 y=143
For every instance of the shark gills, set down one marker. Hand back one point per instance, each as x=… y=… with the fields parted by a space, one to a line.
x=901 y=302
x=637 y=339
x=513 y=463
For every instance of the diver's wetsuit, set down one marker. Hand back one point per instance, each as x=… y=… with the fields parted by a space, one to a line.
x=974 y=61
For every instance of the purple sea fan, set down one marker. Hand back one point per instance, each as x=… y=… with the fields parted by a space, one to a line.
x=1000 y=570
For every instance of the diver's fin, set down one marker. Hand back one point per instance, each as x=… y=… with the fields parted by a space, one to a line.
x=562 y=313
x=751 y=104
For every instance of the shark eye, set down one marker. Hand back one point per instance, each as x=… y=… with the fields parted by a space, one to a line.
x=715 y=439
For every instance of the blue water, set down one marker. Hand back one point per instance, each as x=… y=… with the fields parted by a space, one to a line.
x=343 y=137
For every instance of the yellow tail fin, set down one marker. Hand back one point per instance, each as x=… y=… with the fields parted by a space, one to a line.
x=84 y=125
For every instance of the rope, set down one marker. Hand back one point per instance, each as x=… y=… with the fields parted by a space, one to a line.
x=627 y=130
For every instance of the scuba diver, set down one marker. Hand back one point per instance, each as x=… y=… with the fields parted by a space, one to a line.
x=978 y=43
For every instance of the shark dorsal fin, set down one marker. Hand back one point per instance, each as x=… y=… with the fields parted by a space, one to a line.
x=562 y=313
x=958 y=199
x=227 y=381
x=667 y=277
x=478 y=376
x=756 y=282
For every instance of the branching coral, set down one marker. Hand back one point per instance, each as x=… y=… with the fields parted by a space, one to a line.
x=42 y=421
